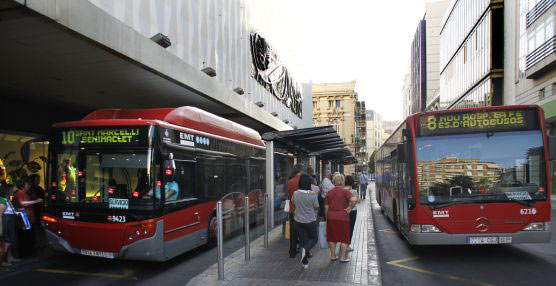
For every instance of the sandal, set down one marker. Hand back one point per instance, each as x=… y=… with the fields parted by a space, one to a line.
x=334 y=259
x=345 y=261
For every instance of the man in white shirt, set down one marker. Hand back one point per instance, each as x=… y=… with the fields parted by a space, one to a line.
x=363 y=181
x=327 y=183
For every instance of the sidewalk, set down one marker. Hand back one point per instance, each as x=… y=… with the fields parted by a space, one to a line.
x=273 y=266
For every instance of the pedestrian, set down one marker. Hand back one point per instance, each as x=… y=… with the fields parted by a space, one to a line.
x=306 y=205
x=353 y=214
x=293 y=185
x=25 y=239
x=7 y=225
x=337 y=205
x=326 y=183
x=37 y=192
x=363 y=181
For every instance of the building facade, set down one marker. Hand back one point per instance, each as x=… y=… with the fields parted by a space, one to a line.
x=472 y=54
x=443 y=170
x=374 y=131
x=530 y=61
x=388 y=128
x=361 y=136
x=424 y=67
x=335 y=104
x=219 y=56
x=406 y=93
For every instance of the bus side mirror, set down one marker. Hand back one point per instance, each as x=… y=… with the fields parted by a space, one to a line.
x=400 y=152
x=551 y=148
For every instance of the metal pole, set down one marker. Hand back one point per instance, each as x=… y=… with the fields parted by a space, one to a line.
x=266 y=201
x=220 y=240
x=270 y=178
x=247 y=237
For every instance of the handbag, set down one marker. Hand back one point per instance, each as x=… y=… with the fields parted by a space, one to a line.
x=287 y=229
x=322 y=235
x=22 y=220
x=287 y=206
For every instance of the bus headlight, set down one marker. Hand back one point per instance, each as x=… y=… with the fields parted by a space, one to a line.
x=535 y=226
x=429 y=228
x=424 y=228
x=415 y=228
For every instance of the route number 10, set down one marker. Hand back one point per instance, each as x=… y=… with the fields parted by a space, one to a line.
x=68 y=137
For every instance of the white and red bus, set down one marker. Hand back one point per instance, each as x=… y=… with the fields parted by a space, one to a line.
x=469 y=176
x=143 y=184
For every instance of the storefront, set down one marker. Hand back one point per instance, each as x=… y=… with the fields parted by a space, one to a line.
x=10 y=153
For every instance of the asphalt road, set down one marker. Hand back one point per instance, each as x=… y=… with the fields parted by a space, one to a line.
x=65 y=269
x=521 y=264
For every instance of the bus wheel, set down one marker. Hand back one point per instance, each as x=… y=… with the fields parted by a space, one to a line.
x=211 y=231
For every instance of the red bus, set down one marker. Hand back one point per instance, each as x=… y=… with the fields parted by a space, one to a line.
x=469 y=176
x=143 y=184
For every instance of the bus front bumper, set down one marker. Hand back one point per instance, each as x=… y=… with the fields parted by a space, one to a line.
x=149 y=249
x=489 y=238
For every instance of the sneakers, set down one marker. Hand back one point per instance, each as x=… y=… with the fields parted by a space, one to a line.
x=304 y=260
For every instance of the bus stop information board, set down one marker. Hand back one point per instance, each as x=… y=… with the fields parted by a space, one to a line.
x=478 y=121
x=117 y=135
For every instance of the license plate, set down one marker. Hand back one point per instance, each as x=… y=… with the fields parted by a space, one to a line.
x=97 y=253
x=483 y=240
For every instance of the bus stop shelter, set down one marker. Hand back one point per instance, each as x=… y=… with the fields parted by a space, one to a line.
x=316 y=143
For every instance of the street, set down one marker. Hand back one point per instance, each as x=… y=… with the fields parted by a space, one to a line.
x=403 y=264
x=66 y=269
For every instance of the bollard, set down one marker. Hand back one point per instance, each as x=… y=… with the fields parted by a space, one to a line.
x=247 y=237
x=220 y=240
x=266 y=201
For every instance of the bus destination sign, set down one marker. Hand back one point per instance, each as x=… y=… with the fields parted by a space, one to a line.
x=478 y=121
x=103 y=135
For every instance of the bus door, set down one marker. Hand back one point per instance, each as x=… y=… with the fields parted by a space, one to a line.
x=403 y=182
x=181 y=204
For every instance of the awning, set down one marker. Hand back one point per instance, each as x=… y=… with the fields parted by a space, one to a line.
x=323 y=142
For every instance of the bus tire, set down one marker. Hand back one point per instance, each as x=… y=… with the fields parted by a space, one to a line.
x=211 y=231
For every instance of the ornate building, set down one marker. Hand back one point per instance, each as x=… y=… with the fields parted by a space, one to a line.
x=335 y=104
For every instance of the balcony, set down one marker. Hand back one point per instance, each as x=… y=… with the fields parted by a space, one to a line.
x=542 y=59
x=538 y=10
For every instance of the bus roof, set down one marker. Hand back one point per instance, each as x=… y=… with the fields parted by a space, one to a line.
x=185 y=116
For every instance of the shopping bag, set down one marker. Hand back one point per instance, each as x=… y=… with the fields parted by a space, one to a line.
x=287 y=206
x=287 y=227
x=322 y=235
x=24 y=220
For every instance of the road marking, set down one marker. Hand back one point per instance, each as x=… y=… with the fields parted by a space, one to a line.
x=397 y=263
x=128 y=273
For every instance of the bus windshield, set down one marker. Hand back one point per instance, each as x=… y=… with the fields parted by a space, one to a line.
x=481 y=167
x=112 y=179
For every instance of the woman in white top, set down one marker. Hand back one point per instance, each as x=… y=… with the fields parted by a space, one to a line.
x=350 y=181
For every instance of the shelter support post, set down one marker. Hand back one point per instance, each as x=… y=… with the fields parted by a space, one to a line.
x=270 y=181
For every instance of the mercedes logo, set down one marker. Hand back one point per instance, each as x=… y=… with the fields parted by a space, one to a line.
x=482 y=224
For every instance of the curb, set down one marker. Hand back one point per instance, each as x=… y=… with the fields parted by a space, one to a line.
x=374 y=277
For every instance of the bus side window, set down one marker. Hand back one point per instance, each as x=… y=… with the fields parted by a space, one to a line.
x=181 y=186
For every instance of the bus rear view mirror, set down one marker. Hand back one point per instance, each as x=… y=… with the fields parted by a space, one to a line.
x=400 y=151
x=551 y=148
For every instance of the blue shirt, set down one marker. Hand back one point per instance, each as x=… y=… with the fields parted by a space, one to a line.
x=168 y=187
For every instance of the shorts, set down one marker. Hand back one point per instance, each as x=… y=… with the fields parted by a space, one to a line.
x=8 y=228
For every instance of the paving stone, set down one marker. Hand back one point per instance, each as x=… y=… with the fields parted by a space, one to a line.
x=273 y=267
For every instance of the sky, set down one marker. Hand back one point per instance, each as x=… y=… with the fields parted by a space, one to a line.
x=364 y=40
